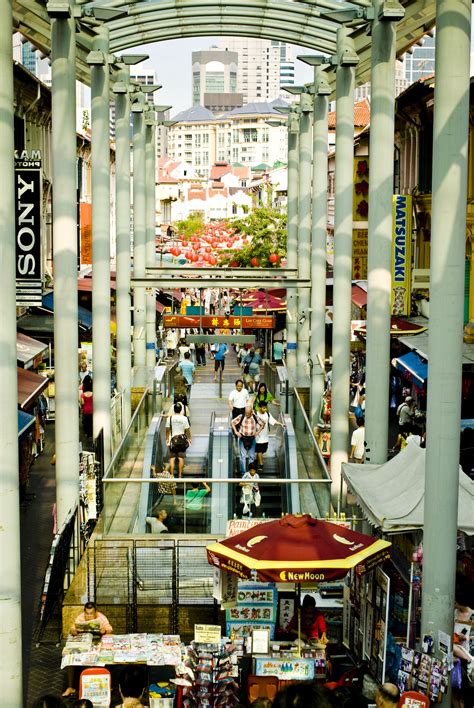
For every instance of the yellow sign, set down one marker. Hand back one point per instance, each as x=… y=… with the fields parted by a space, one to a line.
x=401 y=254
x=207 y=633
x=360 y=252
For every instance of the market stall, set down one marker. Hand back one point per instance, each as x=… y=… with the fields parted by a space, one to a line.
x=296 y=550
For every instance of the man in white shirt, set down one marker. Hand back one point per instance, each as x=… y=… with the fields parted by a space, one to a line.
x=261 y=441
x=238 y=399
x=156 y=522
x=358 y=442
x=177 y=425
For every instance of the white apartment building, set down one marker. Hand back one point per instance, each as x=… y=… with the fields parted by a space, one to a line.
x=258 y=75
x=240 y=136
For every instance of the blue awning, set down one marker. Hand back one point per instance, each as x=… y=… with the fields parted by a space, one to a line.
x=413 y=364
x=25 y=422
x=84 y=316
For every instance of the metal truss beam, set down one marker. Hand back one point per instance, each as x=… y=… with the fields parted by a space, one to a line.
x=180 y=281
x=186 y=271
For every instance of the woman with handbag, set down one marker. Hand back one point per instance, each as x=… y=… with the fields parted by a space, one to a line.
x=178 y=438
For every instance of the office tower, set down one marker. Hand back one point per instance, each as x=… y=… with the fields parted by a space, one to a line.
x=287 y=66
x=258 y=76
x=421 y=62
x=215 y=80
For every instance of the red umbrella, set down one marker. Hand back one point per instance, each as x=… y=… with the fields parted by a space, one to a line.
x=297 y=549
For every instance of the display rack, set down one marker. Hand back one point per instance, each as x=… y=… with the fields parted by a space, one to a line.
x=215 y=675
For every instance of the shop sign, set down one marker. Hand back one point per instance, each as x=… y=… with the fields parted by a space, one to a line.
x=85 y=215
x=219 y=321
x=360 y=253
x=360 y=201
x=401 y=254
x=285 y=669
x=28 y=200
x=207 y=633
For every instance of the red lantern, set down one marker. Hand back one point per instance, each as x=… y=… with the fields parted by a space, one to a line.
x=208 y=249
x=254 y=262
x=273 y=258
x=212 y=260
x=196 y=246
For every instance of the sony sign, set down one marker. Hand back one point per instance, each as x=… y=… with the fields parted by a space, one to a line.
x=28 y=184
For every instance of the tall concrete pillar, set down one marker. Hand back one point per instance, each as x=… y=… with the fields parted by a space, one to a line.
x=448 y=239
x=304 y=233
x=150 y=248
x=66 y=377
x=10 y=593
x=319 y=222
x=123 y=254
x=341 y=329
x=292 y=238
x=100 y=130
x=382 y=116
x=139 y=242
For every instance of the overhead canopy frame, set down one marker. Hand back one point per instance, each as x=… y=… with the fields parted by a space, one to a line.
x=293 y=21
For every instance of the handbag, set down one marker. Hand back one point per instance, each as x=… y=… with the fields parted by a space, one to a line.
x=456 y=676
x=257 y=498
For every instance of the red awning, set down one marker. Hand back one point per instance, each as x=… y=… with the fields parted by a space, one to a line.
x=30 y=385
x=359 y=296
x=84 y=285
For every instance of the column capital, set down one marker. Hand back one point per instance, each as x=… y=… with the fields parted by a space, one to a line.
x=59 y=9
x=388 y=10
x=346 y=54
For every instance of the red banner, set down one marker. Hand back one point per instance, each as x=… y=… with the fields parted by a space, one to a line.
x=220 y=321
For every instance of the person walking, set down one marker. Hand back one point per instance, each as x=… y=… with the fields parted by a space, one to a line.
x=188 y=369
x=194 y=506
x=238 y=399
x=358 y=442
x=250 y=489
x=178 y=438
x=406 y=414
x=200 y=354
x=251 y=369
x=87 y=403
x=221 y=352
x=246 y=427
x=263 y=396
x=262 y=439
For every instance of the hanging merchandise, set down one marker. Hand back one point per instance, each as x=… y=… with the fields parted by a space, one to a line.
x=423 y=673
x=215 y=671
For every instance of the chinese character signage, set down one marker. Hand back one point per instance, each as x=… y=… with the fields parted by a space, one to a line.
x=219 y=321
x=256 y=606
x=401 y=254
x=28 y=200
x=360 y=202
x=359 y=254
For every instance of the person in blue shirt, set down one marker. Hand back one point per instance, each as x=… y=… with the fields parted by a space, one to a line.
x=219 y=358
x=187 y=368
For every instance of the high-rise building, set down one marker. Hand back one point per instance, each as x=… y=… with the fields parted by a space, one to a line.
x=420 y=63
x=215 y=80
x=258 y=77
x=287 y=66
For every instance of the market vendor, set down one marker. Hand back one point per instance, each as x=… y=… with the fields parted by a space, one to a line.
x=80 y=624
x=313 y=624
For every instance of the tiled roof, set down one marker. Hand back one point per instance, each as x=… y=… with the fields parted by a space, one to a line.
x=194 y=114
x=361 y=115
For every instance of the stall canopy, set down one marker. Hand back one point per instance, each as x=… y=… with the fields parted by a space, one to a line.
x=297 y=549
x=392 y=495
x=30 y=386
x=25 y=422
x=413 y=365
x=84 y=316
x=29 y=351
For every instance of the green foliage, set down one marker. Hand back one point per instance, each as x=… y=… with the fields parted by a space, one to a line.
x=189 y=226
x=267 y=228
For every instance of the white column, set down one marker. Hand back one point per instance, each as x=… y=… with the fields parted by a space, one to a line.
x=10 y=593
x=150 y=249
x=139 y=245
x=66 y=375
x=101 y=351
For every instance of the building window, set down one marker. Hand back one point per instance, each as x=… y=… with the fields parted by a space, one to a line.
x=250 y=135
x=205 y=139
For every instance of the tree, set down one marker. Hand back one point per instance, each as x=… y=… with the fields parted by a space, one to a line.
x=190 y=226
x=266 y=228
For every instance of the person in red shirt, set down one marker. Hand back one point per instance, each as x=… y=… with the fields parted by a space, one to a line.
x=313 y=624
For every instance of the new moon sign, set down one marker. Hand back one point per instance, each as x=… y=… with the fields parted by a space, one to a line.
x=211 y=321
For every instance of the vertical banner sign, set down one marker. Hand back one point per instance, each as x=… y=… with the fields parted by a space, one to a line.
x=85 y=215
x=28 y=198
x=401 y=254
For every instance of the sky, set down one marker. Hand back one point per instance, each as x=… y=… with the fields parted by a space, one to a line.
x=172 y=62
